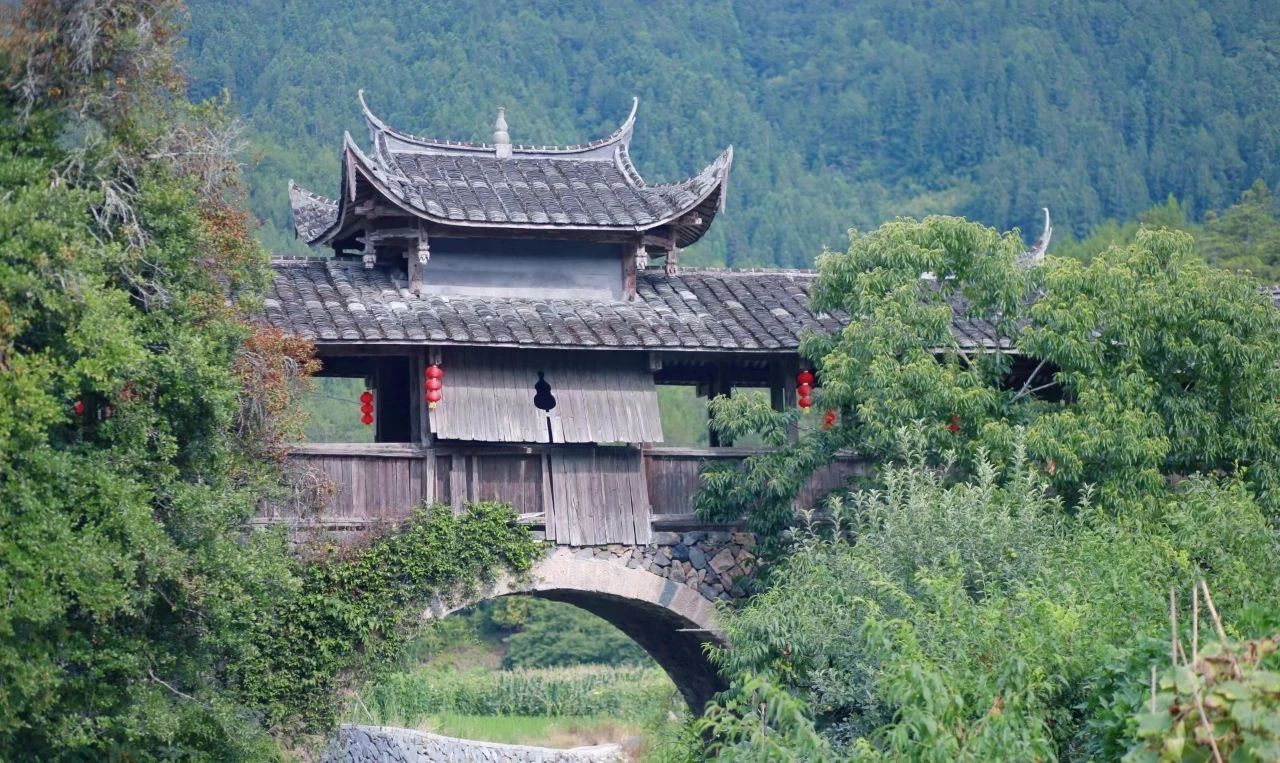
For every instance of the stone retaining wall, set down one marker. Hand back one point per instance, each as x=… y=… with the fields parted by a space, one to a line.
x=384 y=744
x=714 y=563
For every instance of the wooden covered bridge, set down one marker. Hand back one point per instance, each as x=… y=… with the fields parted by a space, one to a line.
x=512 y=310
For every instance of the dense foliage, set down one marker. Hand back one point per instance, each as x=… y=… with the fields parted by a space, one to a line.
x=840 y=115
x=965 y=611
x=353 y=612
x=1140 y=365
x=135 y=438
x=1245 y=236
x=1222 y=703
x=977 y=620
x=143 y=418
x=541 y=634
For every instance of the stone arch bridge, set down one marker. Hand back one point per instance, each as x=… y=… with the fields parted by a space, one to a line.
x=624 y=544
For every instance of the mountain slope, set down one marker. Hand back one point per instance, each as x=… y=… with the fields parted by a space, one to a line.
x=839 y=116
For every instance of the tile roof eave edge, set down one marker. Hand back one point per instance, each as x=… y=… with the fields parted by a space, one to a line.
x=410 y=343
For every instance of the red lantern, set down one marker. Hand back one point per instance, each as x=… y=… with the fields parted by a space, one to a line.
x=367 y=419
x=804 y=377
x=804 y=389
x=954 y=426
x=829 y=419
x=366 y=407
x=805 y=403
x=366 y=396
x=78 y=407
x=434 y=384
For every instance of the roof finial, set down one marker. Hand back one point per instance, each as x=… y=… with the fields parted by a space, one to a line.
x=1035 y=255
x=501 y=139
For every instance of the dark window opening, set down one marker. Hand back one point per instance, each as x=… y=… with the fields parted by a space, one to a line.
x=543 y=400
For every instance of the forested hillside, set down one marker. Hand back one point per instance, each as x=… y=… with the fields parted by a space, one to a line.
x=841 y=116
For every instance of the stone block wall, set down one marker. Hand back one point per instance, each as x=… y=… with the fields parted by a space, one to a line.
x=717 y=564
x=384 y=744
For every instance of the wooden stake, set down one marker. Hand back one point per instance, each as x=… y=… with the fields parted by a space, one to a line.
x=1195 y=625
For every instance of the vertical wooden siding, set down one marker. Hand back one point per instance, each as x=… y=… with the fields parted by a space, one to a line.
x=601 y=397
x=586 y=495
x=598 y=496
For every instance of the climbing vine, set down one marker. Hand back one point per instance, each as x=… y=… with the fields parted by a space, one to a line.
x=354 y=609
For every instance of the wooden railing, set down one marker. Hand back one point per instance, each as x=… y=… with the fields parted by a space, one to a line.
x=673 y=478
x=579 y=495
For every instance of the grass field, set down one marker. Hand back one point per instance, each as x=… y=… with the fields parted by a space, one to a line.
x=548 y=707
x=536 y=730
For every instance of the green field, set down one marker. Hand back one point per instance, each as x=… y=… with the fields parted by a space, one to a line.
x=535 y=729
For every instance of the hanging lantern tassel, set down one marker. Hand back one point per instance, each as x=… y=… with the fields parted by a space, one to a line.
x=366 y=407
x=434 y=384
x=804 y=386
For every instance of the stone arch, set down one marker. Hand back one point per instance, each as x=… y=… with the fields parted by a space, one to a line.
x=668 y=620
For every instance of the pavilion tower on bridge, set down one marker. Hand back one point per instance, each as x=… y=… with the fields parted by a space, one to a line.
x=512 y=309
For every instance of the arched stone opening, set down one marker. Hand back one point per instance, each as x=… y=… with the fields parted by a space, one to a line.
x=669 y=621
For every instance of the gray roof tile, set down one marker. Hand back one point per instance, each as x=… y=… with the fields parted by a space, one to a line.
x=340 y=301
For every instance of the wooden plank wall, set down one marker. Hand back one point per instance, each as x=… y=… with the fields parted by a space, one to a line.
x=673 y=476
x=599 y=497
x=369 y=488
x=601 y=397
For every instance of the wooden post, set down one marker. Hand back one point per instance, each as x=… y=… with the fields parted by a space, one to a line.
x=417 y=413
x=416 y=261
x=458 y=483
x=789 y=370
x=631 y=254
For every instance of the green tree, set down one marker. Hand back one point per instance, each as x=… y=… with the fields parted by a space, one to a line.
x=550 y=634
x=134 y=400
x=1141 y=366
x=1245 y=236
x=144 y=418
x=975 y=620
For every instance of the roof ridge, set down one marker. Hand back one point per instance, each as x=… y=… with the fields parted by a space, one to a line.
x=621 y=134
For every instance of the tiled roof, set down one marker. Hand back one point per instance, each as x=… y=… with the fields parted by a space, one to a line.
x=541 y=191
x=312 y=213
x=592 y=186
x=337 y=301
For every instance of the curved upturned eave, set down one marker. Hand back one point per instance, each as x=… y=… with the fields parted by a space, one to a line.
x=301 y=198
x=357 y=163
x=707 y=205
x=599 y=148
x=350 y=153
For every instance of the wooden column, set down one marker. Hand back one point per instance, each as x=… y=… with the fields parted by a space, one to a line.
x=458 y=483
x=631 y=264
x=789 y=369
x=416 y=259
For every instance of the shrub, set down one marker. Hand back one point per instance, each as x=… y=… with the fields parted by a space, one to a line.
x=973 y=621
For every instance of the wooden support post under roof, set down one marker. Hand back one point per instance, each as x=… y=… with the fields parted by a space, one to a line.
x=630 y=264
x=789 y=370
